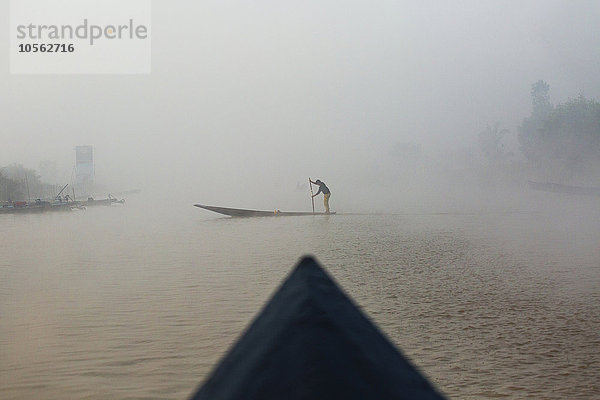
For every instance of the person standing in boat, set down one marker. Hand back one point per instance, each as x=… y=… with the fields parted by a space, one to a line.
x=326 y=193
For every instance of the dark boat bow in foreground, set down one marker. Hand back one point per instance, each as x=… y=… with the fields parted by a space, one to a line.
x=239 y=212
x=311 y=342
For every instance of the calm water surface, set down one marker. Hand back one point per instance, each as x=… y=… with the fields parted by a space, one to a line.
x=123 y=303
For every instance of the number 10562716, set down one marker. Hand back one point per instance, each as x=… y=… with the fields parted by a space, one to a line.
x=46 y=48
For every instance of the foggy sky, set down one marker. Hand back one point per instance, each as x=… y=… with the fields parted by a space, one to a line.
x=254 y=97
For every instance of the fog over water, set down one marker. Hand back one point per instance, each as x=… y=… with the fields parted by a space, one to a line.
x=247 y=99
x=490 y=287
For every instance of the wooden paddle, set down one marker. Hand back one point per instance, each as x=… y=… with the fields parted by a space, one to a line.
x=311 y=195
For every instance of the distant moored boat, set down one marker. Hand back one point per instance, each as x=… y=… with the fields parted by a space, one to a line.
x=560 y=188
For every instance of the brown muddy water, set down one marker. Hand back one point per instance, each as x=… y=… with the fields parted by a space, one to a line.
x=137 y=303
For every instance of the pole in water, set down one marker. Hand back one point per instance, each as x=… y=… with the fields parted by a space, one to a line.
x=312 y=199
x=61 y=190
x=27 y=183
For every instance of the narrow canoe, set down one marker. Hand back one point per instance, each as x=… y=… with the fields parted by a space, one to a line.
x=238 y=212
x=101 y=202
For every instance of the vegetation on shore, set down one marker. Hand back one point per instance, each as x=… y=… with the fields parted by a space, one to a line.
x=561 y=140
x=565 y=137
x=20 y=183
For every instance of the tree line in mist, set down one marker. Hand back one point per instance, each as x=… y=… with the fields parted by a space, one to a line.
x=20 y=183
x=566 y=134
x=564 y=138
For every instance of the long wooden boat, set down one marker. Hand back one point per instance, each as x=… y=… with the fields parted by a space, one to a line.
x=126 y=192
x=91 y=202
x=560 y=188
x=38 y=207
x=239 y=212
x=61 y=206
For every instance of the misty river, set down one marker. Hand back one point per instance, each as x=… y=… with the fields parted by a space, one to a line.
x=141 y=301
